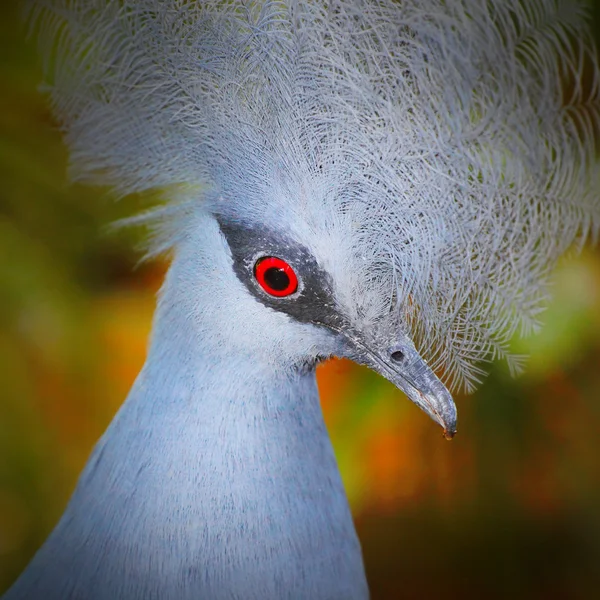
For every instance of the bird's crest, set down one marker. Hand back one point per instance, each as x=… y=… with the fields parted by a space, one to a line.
x=449 y=147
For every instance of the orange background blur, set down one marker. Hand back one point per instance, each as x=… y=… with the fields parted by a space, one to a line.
x=510 y=508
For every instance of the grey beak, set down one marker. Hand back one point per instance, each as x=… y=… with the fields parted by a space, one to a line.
x=403 y=366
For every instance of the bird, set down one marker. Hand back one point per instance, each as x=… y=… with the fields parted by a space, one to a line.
x=386 y=181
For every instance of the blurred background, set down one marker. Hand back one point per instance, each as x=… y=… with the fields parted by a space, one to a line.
x=509 y=508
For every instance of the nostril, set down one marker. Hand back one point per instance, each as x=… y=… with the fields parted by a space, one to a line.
x=397 y=356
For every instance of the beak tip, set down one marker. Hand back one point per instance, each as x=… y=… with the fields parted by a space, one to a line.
x=441 y=408
x=448 y=420
x=449 y=433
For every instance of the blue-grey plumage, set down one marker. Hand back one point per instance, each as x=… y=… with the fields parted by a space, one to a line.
x=216 y=479
x=419 y=166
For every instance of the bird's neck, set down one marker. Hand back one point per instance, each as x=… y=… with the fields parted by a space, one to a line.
x=220 y=473
x=227 y=436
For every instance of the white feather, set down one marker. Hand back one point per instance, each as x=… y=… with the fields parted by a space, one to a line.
x=443 y=151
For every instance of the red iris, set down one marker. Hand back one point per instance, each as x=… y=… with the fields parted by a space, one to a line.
x=275 y=276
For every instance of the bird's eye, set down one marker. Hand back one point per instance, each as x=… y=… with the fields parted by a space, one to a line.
x=275 y=276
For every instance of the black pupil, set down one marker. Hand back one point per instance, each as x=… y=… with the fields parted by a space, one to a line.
x=277 y=279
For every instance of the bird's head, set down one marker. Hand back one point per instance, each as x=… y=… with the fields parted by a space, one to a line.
x=390 y=181
x=342 y=303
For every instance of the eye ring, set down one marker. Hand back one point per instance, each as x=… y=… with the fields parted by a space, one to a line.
x=275 y=276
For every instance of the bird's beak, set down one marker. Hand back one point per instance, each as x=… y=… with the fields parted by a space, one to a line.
x=406 y=369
